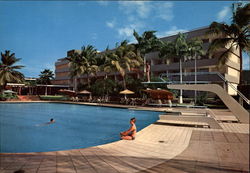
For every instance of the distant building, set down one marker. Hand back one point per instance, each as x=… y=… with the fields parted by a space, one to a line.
x=29 y=87
x=229 y=71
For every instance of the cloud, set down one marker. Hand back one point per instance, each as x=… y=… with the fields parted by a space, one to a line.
x=128 y=30
x=103 y=3
x=145 y=9
x=136 y=14
x=81 y=3
x=139 y=8
x=223 y=13
x=172 y=31
x=164 y=11
x=110 y=24
x=138 y=11
x=94 y=36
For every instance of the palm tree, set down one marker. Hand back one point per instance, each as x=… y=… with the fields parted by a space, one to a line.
x=123 y=59
x=106 y=64
x=231 y=37
x=83 y=63
x=195 y=50
x=75 y=63
x=90 y=66
x=146 y=43
x=45 y=78
x=176 y=49
x=8 y=71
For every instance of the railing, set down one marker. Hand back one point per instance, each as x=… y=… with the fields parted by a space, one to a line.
x=202 y=73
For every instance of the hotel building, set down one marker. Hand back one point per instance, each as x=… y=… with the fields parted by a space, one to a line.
x=227 y=75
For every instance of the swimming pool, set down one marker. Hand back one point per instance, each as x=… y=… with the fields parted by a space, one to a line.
x=22 y=127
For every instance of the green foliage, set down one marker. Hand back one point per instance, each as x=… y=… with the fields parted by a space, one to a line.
x=102 y=87
x=176 y=49
x=229 y=37
x=45 y=77
x=5 y=96
x=195 y=49
x=201 y=99
x=135 y=85
x=242 y=16
x=8 y=69
x=122 y=59
x=147 y=42
x=85 y=62
x=55 y=98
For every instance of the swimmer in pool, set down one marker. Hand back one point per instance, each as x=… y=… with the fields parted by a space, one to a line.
x=131 y=132
x=52 y=121
x=48 y=123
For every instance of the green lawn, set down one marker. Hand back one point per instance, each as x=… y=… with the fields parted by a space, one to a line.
x=56 y=98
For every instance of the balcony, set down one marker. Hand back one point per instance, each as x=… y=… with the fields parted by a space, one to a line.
x=62 y=78
x=189 y=64
x=66 y=69
x=61 y=62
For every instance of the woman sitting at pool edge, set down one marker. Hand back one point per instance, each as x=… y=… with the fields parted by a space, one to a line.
x=130 y=133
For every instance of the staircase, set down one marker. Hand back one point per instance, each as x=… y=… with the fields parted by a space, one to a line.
x=238 y=111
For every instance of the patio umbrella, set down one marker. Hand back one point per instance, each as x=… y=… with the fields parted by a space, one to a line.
x=9 y=91
x=84 y=92
x=125 y=92
x=67 y=92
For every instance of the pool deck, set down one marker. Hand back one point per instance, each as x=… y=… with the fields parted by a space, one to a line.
x=224 y=147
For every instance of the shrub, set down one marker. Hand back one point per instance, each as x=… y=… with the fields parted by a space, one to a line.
x=7 y=96
x=54 y=98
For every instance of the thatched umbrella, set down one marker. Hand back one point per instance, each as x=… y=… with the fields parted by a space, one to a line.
x=125 y=92
x=67 y=92
x=160 y=94
x=85 y=92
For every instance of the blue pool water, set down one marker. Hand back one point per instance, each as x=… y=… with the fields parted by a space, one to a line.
x=76 y=126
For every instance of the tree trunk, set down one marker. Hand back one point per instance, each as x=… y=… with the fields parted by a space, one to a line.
x=241 y=74
x=144 y=62
x=195 y=78
x=88 y=81
x=105 y=78
x=180 y=97
x=124 y=82
x=75 y=83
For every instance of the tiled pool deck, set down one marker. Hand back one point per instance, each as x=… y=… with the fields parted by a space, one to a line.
x=157 y=148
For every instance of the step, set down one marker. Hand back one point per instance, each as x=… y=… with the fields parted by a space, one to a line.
x=184 y=123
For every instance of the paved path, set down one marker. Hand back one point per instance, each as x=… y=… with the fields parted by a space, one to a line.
x=157 y=148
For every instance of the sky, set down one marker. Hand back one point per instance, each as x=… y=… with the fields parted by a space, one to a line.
x=40 y=32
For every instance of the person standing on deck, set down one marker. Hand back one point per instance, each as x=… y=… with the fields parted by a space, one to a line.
x=148 y=71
